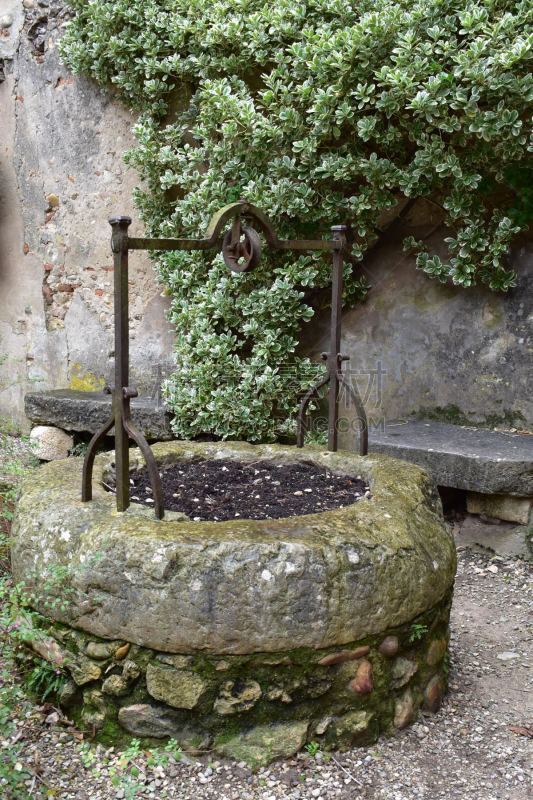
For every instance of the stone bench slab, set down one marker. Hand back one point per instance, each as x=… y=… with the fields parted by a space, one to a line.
x=475 y=459
x=87 y=411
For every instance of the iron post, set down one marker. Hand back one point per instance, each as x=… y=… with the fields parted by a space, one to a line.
x=121 y=394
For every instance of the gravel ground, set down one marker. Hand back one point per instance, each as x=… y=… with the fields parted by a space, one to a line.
x=477 y=747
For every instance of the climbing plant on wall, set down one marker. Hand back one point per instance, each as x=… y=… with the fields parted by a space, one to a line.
x=318 y=111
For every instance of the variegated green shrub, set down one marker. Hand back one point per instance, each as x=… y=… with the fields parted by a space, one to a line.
x=319 y=112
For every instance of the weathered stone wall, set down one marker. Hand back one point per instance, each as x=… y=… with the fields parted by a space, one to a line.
x=462 y=354
x=443 y=351
x=61 y=177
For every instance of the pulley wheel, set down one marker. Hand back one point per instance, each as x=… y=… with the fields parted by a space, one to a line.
x=245 y=254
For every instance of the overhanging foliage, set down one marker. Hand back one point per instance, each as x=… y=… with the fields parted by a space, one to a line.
x=318 y=112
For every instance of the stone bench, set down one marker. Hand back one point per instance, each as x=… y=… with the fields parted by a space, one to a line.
x=85 y=412
x=494 y=468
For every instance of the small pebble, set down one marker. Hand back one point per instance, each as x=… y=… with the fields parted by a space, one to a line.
x=507 y=655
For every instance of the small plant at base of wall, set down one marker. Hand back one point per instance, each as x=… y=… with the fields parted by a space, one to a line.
x=417 y=632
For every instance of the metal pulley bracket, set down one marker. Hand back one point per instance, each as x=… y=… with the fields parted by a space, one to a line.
x=241 y=251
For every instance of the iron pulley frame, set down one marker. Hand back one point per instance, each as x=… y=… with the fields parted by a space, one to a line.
x=241 y=250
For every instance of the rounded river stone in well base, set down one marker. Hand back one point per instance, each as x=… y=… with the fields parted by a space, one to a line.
x=240 y=625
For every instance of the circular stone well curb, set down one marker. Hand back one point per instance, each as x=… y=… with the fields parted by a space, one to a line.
x=242 y=624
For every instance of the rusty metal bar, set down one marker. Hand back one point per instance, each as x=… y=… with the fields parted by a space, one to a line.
x=151 y=464
x=119 y=246
x=88 y=461
x=353 y=391
x=334 y=358
x=122 y=393
x=136 y=243
x=301 y=421
x=339 y=235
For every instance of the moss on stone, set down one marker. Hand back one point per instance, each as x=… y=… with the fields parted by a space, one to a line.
x=85 y=381
x=451 y=413
x=374 y=562
x=264 y=743
x=179 y=688
x=357 y=575
x=296 y=673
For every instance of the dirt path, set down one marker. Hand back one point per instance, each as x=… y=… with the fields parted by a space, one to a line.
x=466 y=752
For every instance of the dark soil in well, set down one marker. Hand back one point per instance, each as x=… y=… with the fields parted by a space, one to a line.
x=222 y=490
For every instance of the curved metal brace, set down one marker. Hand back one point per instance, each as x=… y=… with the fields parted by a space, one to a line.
x=306 y=399
x=88 y=461
x=153 y=472
x=218 y=220
x=215 y=230
x=361 y=413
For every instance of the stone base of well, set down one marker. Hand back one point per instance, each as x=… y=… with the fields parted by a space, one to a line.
x=259 y=706
x=247 y=637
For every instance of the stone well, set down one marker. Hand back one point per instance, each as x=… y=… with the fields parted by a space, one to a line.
x=249 y=637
